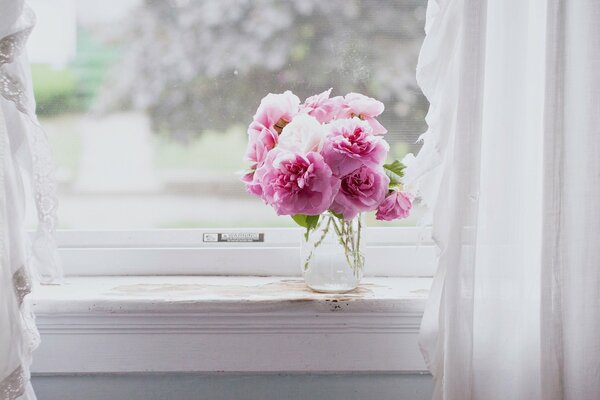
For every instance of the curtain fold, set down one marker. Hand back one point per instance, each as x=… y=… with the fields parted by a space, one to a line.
x=18 y=336
x=28 y=141
x=571 y=256
x=511 y=173
x=25 y=158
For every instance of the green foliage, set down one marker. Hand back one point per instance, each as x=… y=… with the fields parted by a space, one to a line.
x=218 y=151
x=92 y=66
x=394 y=171
x=54 y=90
x=74 y=88
x=64 y=135
x=306 y=221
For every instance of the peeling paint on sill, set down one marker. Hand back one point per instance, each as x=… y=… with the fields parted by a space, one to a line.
x=291 y=289
x=224 y=294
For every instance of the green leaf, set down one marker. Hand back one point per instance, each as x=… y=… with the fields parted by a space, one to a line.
x=300 y=219
x=394 y=185
x=312 y=221
x=396 y=167
x=394 y=171
x=306 y=221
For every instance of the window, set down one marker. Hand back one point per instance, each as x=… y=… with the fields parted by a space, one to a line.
x=146 y=103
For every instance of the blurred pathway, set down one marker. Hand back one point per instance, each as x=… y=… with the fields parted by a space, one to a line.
x=117 y=155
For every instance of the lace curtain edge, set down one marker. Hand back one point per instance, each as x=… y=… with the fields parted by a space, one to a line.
x=14 y=89
x=16 y=384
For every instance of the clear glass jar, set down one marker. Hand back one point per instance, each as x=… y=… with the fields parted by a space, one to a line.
x=333 y=254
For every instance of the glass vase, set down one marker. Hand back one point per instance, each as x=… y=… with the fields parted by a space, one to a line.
x=333 y=254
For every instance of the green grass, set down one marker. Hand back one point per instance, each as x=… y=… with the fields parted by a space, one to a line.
x=65 y=139
x=211 y=151
x=54 y=89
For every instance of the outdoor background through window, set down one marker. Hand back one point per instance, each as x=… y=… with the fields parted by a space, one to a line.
x=146 y=103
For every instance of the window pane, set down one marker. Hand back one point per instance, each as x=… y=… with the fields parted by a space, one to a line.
x=147 y=102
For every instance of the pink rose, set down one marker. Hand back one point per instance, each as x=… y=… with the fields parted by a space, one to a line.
x=396 y=206
x=275 y=112
x=350 y=144
x=365 y=108
x=360 y=191
x=322 y=107
x=294 y=183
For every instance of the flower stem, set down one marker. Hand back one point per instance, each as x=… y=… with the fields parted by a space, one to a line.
x=348 y=237
x=318 y=242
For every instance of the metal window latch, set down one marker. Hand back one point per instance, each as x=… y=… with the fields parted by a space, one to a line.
x=234 y=237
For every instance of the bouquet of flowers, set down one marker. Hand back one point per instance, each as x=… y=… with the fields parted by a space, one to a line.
x=324 y=155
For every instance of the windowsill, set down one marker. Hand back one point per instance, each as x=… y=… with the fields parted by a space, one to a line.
x=122 y=324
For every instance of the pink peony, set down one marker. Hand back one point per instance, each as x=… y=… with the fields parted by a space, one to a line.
x=360 y=191
x=252 y=186
x=396 y=206
x=365 y=108
x=275 y=112
x=350 y=144
x=302 y=135
x=323 y=108
x=293 y=183
x=259 y=144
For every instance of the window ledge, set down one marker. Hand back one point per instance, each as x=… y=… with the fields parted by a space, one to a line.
x=121 y=324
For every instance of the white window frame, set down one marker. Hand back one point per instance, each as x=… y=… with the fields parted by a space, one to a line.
x=133 y=333
x=393 y=252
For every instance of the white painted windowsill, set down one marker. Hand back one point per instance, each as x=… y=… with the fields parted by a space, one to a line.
x=122 y=324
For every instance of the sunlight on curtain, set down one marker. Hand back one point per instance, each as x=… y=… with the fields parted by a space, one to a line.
x=24 y=158
x=510 y=171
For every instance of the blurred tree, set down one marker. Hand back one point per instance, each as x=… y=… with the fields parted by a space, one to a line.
x=205 y=64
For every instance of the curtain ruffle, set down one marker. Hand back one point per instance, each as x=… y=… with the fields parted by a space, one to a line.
x=25 y=155
x=37 y=161
x=437 y=63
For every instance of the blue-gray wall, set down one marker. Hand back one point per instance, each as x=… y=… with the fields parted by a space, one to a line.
x=234 y=387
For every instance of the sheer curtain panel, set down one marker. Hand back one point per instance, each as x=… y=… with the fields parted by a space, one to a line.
x=510 y=169
x=24 y=157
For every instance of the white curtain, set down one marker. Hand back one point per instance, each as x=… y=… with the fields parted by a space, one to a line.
x=510 y=168
x=24 y=157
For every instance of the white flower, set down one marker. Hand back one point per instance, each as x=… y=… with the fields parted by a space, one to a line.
x=302 y=135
